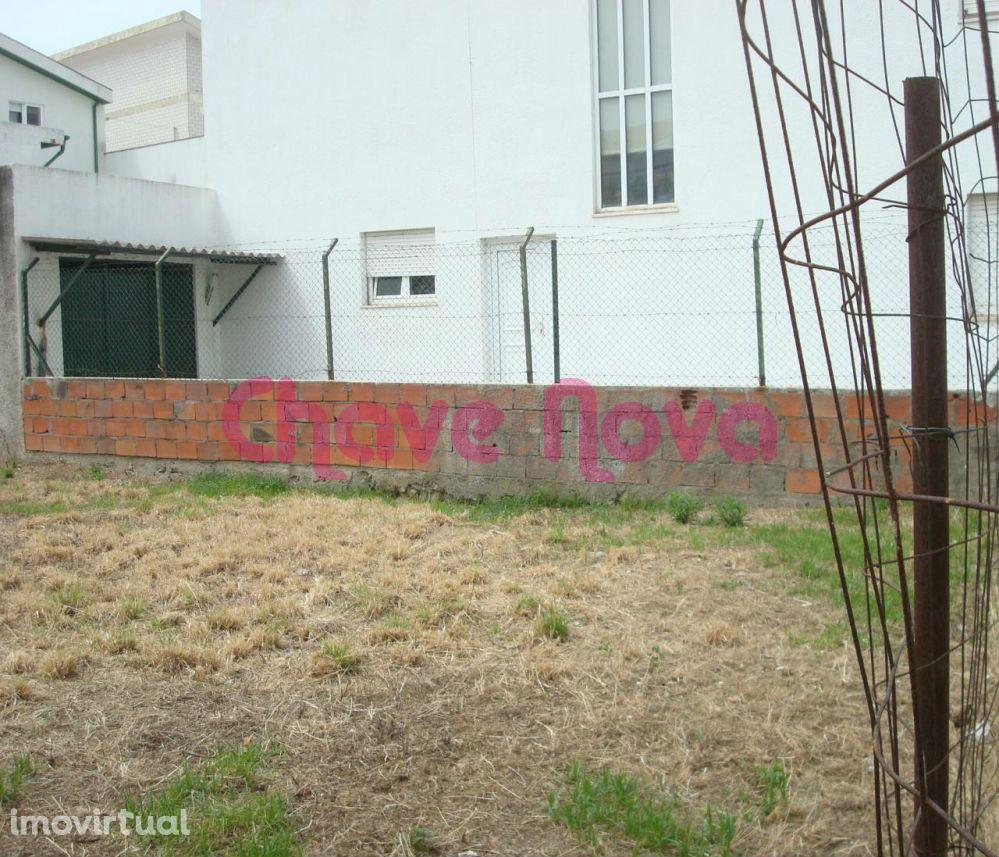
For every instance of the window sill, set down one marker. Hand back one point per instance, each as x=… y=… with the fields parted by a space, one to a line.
x=400 y=302
x=624 y=211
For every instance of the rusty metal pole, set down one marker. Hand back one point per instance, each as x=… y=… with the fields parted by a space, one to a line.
x=930 y=521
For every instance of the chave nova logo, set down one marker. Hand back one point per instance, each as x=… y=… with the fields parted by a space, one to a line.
x=99 y=824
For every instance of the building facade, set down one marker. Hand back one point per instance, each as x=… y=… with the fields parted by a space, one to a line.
x=154 y=71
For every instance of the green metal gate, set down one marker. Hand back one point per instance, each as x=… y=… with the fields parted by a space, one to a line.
x=109 y=324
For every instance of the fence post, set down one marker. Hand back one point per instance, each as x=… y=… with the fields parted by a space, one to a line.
x=160 y=334
x=555 y=331
x=760 y=361
x=27 y=317
x=526 y=300
x=930 y=519
x=328 y=309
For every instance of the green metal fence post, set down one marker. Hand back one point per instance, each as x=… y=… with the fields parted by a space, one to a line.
x=160 y=334
x=328 y=309
x=526 y=301
x=761 y=363
x=26 y=315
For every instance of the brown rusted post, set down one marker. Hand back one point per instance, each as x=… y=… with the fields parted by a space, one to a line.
x=930 y=521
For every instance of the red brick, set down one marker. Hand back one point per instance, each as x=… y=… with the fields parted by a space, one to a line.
x=155 y=390
x=206 y=412
x=218 y=391
x=117 y=428
x=121 y=410
x=185 y=410
x=166 y=449
x=216 y=431
x=67 y=408
x=362 y=393
x=33 y=443
x=114 y=390
x=386 y=394
x=310 y=391
x=97 y=428
x=78 y=428
x=146 y=448
x=135 y=428
x=797 y=430
x=252 y=411
x=60 y=426
x=175 y=431
x=156 y=429
x=142 y=410
x=103 y=408
x=95 y=390
x=106 y=445
x=187 y=450
x=413 y=394
x=789 y=404
x=174 y=391
x=163 y=410
x=196 y=390
x=39 y=424
x=40 y=389
x=208 y=452
x=33 y=407
x=335 y=391
x=195 y=431
x=86 y=445
x=135 y=390
x=124 y=446
x=51 y=443
x=76 y=389
x=802 y=482
x=85 y=408
x=228 y=453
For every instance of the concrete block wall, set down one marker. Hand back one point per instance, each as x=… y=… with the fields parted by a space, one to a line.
x=468 y=440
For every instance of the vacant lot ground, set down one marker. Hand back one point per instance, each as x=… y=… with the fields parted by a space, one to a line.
x=311 y=673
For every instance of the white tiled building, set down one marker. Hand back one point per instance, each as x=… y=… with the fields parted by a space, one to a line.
x=154 y=71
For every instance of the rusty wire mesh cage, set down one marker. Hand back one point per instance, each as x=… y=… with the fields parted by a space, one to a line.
x=841 y=135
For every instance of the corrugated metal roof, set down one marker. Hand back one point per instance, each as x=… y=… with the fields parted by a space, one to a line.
x=104 y=248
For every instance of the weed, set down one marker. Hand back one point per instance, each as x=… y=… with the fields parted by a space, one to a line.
x=594 y=805
x=96 y=473
x=335 y=659
x=775 y=784
x=553 y=624
x=656 y=658
x=683 y=506
x=8 y=470
x=12 y=780
x=131 y=608
x=417 y=841
x=527 y=605
x=731 y=512
x=230 y=810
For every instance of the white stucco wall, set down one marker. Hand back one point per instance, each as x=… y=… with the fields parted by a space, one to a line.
x=64 y=111
x=177 y=162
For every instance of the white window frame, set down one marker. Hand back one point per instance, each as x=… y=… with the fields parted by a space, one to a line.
x=405 y=293
x=621 y=95
x=24 y=113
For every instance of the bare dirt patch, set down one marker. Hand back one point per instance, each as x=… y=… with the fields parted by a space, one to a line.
x=398 y=656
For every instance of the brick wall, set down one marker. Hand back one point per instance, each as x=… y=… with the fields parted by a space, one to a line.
x=469 y=440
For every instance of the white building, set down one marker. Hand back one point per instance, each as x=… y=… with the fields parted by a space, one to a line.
x=155 y=72
x=428 y=137
x=51 y=113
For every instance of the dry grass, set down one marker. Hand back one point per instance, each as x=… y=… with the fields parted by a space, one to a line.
x=400 y=657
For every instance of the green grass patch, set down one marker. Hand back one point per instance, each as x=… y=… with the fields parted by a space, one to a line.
x=775 y=786
x=601 y=805
x=340 y=657
x=731 y=512
x=553 y=624
x=238 y=485
x=96 y=473
x=683 y=506
x=231 y=809
x=12 y=779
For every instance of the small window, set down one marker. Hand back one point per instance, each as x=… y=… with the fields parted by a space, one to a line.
x=416 y=286
x=400 y=266
x=24 y=114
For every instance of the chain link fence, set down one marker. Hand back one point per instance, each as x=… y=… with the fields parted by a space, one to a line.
x=679 y=307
